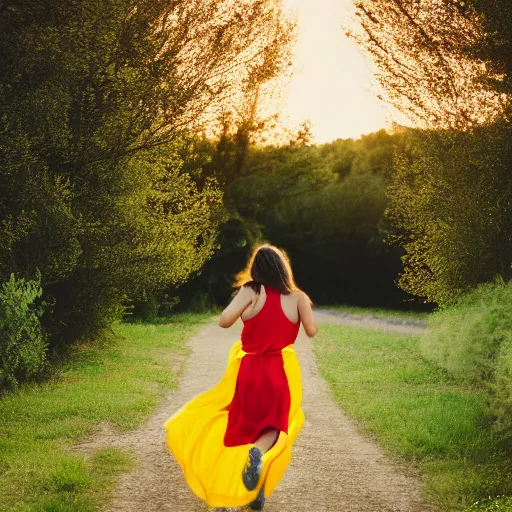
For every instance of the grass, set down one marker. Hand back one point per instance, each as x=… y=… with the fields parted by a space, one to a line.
x=418 y=412
x=419 y=317
x=120 y=380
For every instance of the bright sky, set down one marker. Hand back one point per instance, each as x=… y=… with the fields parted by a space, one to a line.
x=332 y=85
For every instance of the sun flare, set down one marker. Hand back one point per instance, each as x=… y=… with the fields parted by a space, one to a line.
x=332 y=85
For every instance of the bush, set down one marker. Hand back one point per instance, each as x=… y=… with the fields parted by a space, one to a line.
x=502 y=388
x=22 y=342
x=451 y=205
x=144 y=310
x=473 y=342
x=201 y=303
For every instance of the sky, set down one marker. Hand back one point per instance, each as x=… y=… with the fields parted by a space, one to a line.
x=332 y=83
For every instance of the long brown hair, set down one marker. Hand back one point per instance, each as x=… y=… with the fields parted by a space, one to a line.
x=267 y=266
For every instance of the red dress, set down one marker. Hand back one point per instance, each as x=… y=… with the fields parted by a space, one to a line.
x=262 y=396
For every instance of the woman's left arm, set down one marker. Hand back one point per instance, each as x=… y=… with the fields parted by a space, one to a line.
x=236 y=307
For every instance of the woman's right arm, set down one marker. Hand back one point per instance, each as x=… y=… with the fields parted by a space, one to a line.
x=306 y=315
x=236 y=307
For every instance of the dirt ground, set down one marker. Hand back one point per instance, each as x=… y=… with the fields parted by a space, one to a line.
x=334 y=467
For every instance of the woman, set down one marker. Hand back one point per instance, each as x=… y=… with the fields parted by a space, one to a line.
x=234 y=441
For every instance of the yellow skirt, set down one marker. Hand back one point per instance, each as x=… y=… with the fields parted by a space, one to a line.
x=195 y=436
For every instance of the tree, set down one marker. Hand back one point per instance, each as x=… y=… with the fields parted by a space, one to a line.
x=451 y=209
x=95 y=99
x=330 y=222
x=445 y=63
x=334 y=238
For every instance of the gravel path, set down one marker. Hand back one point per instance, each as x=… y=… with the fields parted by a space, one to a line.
x=333 y=468
x=369 y=321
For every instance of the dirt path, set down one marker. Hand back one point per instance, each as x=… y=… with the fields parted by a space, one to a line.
x=330 y=316
x=334 y=467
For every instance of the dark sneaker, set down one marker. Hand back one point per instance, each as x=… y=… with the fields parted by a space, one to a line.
x=259 y=502
x=252 y=471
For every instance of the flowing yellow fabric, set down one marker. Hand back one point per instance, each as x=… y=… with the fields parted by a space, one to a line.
x=195 y=436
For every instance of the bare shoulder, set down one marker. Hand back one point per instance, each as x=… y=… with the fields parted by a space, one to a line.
x=246 y=292
x=247 y=289
x=293 y=296
x=235 y=308
x=302 y=296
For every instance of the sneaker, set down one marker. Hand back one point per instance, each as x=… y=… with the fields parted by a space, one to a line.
x=259 y=502
x=252 y=471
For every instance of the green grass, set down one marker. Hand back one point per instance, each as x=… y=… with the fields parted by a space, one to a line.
x=417 y=411
x=385 y=314
x=121 y=380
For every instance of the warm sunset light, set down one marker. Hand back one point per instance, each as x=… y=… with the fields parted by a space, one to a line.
x=332 y=84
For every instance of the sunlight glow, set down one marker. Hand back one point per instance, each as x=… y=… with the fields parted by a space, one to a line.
x=332 y=84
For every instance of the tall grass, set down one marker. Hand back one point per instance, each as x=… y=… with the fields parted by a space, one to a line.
x=473 y=342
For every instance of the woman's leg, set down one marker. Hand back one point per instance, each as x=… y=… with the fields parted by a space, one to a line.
x=254 y=465
x=267 y=440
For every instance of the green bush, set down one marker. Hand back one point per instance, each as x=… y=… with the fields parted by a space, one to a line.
x=144 y=310
x=451 y=204
x=22 y=342
x=201 y=303
x=473 y=342
x=502 y=388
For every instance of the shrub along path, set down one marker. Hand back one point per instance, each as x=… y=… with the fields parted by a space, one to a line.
x=334 y=467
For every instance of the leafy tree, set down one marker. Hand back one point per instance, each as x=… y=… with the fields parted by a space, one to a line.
x=295 y=196
x=445 y=63
x=374 y=153
x=95 y=96
x=334 y=238
x=451 y=209
x=339 y=156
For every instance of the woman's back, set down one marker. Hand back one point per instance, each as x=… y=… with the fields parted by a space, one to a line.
x=266 y=325
x=289 y=305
